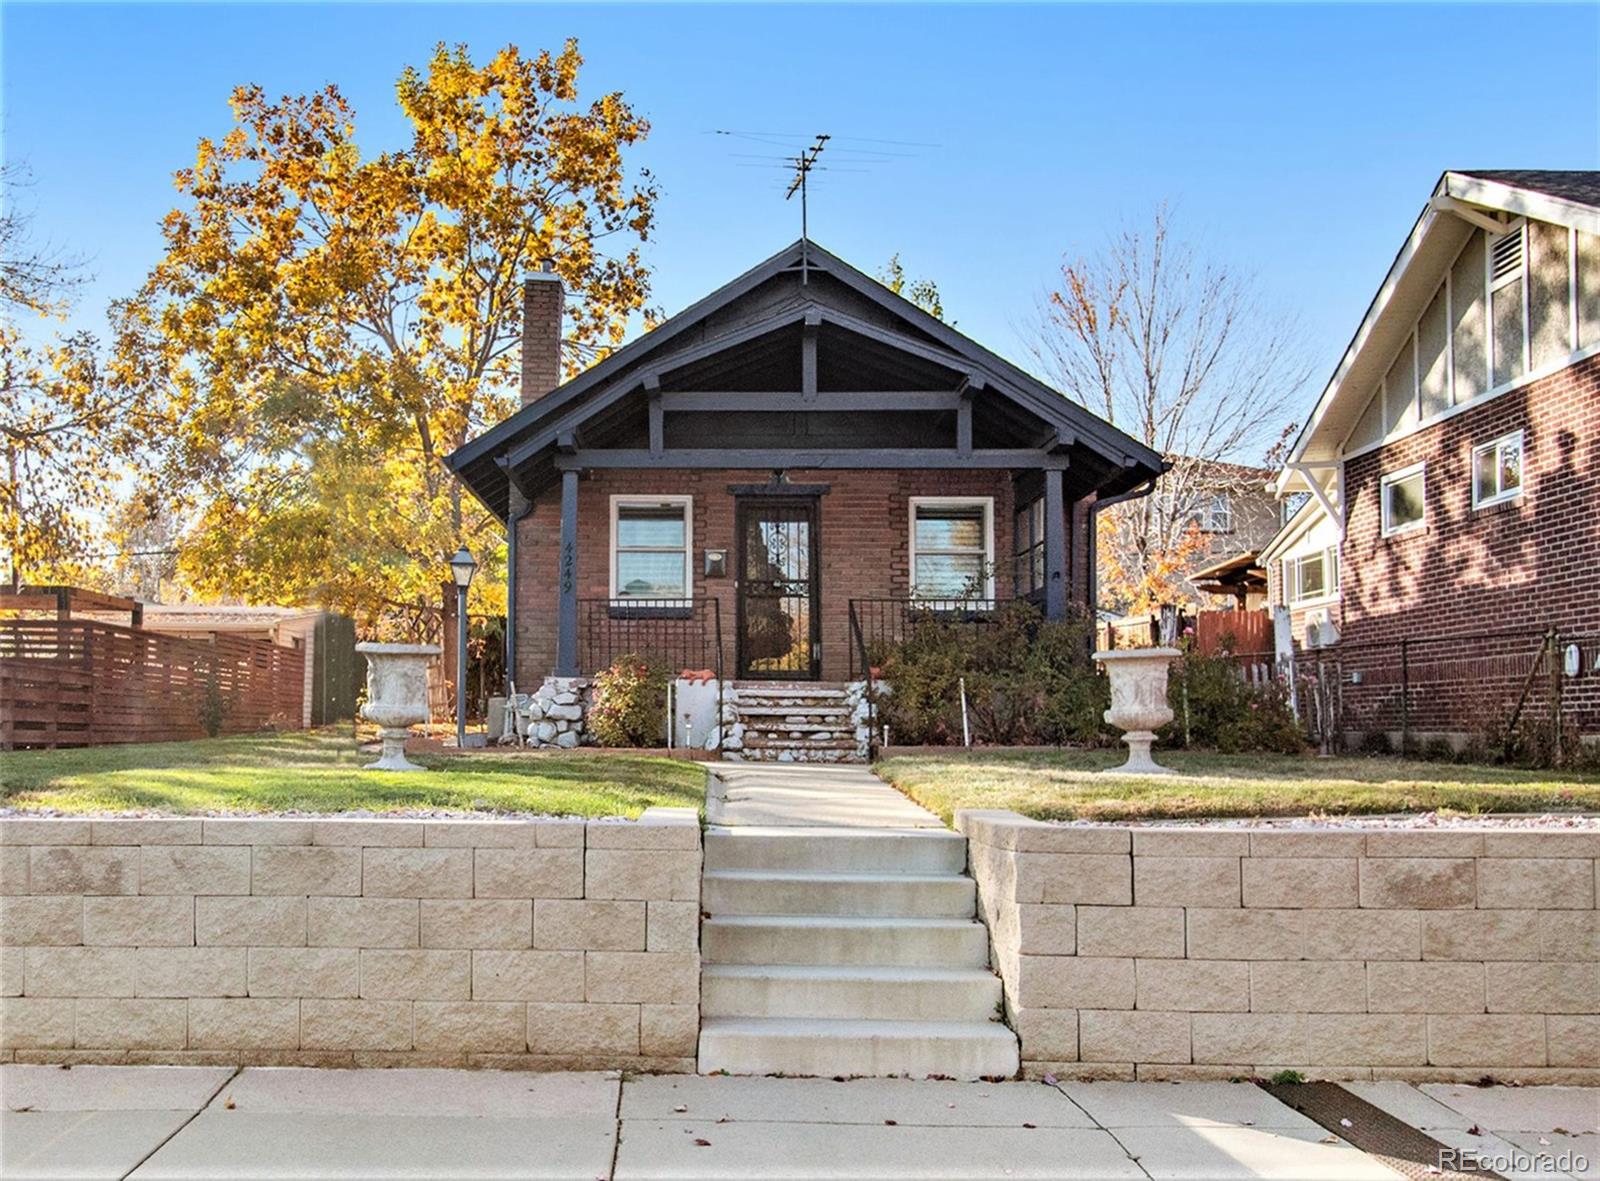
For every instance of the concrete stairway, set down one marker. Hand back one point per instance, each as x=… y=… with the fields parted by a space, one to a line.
x=846 y=951
x=807 y=722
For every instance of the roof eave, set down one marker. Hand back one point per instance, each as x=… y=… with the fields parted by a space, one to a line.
x=1460 y=186
x=1520 y=201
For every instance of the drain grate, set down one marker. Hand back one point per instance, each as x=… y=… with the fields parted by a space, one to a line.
x=1406 y=1150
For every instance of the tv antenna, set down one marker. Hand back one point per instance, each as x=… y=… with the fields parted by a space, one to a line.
x=797 y=159
x=803 y=164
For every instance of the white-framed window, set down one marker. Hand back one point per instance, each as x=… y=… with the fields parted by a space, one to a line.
x=1497 y=471
x=1405 y=500
x=952 y=547
x=652 y=543
x=1216 y=514
x=1312 y=576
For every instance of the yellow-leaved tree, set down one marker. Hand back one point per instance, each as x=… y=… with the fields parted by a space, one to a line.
x=66 y=431
x=330 y=321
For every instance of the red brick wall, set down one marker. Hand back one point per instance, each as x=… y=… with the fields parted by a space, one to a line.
x=1529 y=563
x=864 y=535
x=543 y=303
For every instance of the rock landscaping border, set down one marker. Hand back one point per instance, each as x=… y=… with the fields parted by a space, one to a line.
x=543 y=944
x=1449 y=953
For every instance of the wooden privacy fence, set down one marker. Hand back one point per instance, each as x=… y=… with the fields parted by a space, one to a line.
x=80 y=682
x=1235 y=631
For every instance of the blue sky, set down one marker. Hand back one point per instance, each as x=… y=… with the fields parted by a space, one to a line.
x=1298 y=142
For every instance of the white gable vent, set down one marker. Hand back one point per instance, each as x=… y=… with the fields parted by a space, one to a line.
x=1505 y=257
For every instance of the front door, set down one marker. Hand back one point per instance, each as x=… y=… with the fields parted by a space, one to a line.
x=778 y=596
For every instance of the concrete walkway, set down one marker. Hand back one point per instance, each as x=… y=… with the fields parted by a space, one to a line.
x=195 y=1122
x=809 y=795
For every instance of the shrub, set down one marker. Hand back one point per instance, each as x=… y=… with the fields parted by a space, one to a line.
x=1028 y=681
x=1436 y=748
x=214 y=707
x=1376 y=742
x=628 y=703
x=1214 y=707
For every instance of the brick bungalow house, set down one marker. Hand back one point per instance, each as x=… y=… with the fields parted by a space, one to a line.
x=1450 y=471
x=772 y=478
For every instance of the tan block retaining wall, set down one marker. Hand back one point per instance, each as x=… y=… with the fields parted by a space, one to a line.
x=542 y=944
x=1182 y=953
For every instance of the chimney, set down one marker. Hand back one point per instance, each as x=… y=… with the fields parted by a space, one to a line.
x=543 y=301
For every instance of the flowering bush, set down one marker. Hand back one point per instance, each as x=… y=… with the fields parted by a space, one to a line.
x=628 y=703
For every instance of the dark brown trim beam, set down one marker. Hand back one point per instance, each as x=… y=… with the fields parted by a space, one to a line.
x=1055 y=547
x=713 y=401
x=964 y=421
x=658 y=430
x=808 y=355
x=800 y=458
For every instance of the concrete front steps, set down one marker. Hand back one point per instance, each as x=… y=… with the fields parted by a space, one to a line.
x=846 y=951
x=805 y=722
x=953 y=1049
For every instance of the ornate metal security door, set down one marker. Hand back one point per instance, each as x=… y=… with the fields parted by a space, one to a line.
x=779 y=623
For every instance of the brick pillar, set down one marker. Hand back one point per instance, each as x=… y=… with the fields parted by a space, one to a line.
x=543 y=301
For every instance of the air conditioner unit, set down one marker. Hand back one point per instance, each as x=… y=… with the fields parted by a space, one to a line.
x=1321 y=631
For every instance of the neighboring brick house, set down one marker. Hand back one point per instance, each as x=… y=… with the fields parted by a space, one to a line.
x=766 y=478
x=1452 y=464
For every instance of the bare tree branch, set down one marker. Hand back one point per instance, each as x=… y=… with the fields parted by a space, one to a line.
x=1181 y=353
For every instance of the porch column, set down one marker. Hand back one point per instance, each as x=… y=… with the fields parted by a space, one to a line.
x=567 y=580
x=1055 y=546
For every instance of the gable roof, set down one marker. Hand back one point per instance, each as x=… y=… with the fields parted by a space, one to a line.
x=909 y=330
x=1570 y=198
x=1581 y=188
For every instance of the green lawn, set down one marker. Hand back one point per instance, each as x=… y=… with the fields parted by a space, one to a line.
x=320 y=771
x=1062 y=785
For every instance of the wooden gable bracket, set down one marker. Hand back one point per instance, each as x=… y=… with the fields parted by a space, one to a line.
x=1064 y=436
x=1334 y=505
x=513 y=476
x=1472 y=214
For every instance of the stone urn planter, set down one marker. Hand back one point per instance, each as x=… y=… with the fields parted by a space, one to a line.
x=397 y=697
x=1138 y=702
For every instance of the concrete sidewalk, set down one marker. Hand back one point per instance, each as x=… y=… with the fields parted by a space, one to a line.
x=196 y=1122
x=809 y=795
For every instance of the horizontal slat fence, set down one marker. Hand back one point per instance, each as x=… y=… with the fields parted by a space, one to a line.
x=80 y=682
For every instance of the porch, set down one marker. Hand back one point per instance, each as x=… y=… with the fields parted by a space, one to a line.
x=686 y=635
x=792 y=579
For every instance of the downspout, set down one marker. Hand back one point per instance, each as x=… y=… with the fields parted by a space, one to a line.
x=1133 y=493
